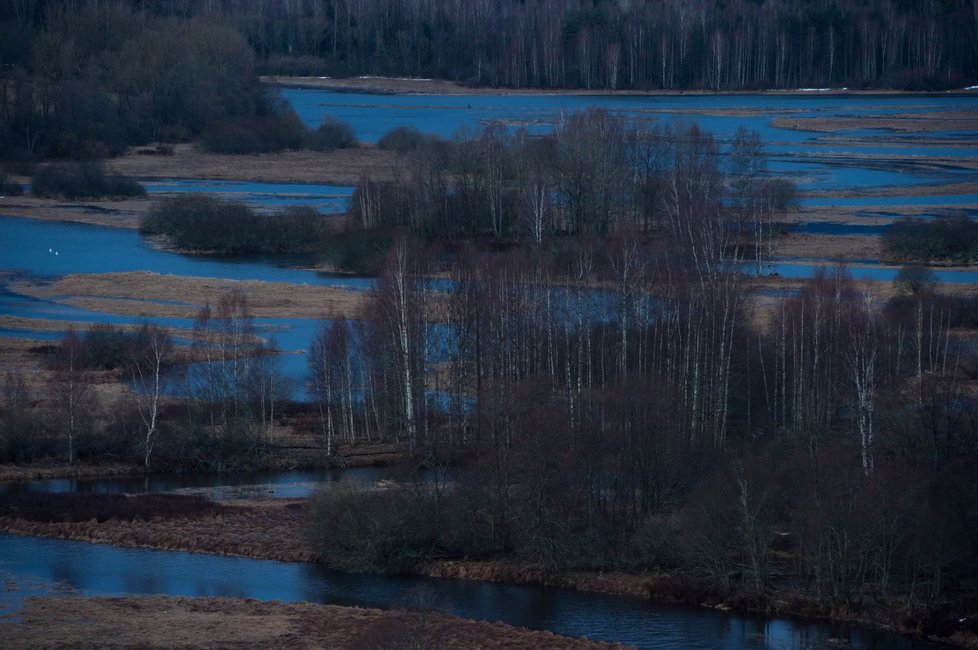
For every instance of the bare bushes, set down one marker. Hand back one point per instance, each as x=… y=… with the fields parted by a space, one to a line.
x=332 y=134
x=402 y=139
x=254 y=135
x=209 y=224
x=281 y=131
x=84 y=180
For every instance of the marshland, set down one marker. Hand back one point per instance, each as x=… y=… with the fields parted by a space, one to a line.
x=657 y=336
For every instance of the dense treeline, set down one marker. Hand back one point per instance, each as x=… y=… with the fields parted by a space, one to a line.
x=624 y=410
x=942 y=239
x=86 y=83
x=608 y=44
x=213 y=225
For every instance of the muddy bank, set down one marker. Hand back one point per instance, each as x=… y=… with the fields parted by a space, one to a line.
x=113 y=214
x=268 y=530
x=168 y=622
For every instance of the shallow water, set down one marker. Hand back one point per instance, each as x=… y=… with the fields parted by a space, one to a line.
x=51 y=249
x=55 y=566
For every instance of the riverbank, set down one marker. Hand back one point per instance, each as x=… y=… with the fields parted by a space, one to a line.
x=169 y=621
x=273 y=529
x=416 y=86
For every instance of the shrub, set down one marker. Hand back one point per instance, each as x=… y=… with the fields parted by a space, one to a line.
x=206 y=223
x=255 y=135
x=85 y=180
x=402 y=139
x=360 y=252
x=952 y=239
x=332 y=134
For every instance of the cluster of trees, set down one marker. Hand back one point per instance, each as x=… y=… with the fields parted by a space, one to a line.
x=214 y=225
x=82 y=180
x=621 y=409
x=597 y=172
x=208 y=407
x=945 y=239
x=85 y=80
x=606 y=44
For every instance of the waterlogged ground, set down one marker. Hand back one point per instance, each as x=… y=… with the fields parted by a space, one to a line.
x=861 y=162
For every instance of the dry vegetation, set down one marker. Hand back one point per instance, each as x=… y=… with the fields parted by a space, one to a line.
x=175 y=622
x=146 y=294
x=339 y=167
x=268 y=530
x=900 y=123
x=830 y=246
x=114 y=214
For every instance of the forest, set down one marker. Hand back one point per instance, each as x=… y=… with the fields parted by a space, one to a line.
x=588 y=44
x=88 y=79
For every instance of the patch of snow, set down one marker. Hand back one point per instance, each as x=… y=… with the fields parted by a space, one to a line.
x=972 y=88
x=813 y=90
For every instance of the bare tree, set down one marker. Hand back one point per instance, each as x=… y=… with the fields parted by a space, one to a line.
x=149 y=354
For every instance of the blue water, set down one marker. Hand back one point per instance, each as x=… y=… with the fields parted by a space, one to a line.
x=830 y=228
x=93 y=569
x=373 y=115
x=52 y=249
x=805 y=269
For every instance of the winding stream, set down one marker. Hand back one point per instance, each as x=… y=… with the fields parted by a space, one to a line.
x=49 y=566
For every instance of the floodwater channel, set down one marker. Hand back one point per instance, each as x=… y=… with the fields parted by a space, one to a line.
x=50 y=566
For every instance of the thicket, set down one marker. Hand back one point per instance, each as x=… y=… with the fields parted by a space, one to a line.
x=331 y=134
x=83 y=180
x=403 y=139
x=615 y=406
x=8 y=188
x=947 y=239
x=207 y=409
x=254 y=135
x=211 y=224
x=597 y=173
x=88 y=81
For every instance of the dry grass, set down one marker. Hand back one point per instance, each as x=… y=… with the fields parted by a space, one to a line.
x=901 y=123
x=177 y=622
x=266 y=530
x=846 y=247
x=615 y=583
x=339 y=167
x=145 y=294
x=115 y=214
